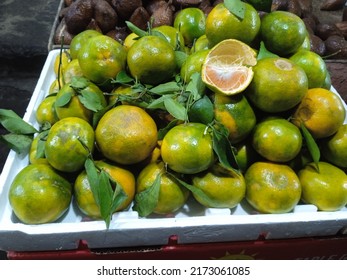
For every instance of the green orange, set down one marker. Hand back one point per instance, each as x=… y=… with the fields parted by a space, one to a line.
x=38 y=194
x=325 y=188
x=101 y=58
x=79 y=40
x=187 y=148
x=278 y=85
x=236 y=114
x=282 y=32
x=69 y=143
x=172 y=196
x=191 y=23
x=222 y=24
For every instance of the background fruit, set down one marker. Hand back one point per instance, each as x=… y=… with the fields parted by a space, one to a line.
x=321 y=112
x=326 y=188
x=187 y=148
x=282 y=32
x=143 y=60
x=172 y=196
x=221 y=24
x=193 y=64
x=191 y=23
x=63 y=148
x=39 y=195
x=272 y=187
x=172 y=35
x=278 y=85
x=277 y=139
x=224 y=188
x=126 y=134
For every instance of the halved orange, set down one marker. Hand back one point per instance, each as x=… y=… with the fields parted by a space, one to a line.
x=228 y=66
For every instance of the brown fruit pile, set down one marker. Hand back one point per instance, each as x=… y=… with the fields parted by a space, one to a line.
x=109 y=16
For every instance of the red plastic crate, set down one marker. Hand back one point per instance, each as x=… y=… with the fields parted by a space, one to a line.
x=316 y=248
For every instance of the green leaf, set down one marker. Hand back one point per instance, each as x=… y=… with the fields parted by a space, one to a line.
x=169 y=87
x=158 y=103
x=123 y=78
x=90 y=100
x=162 y=132
x=176 y=109
x=78 y=83
x=105 y=193
x=18 y=142
x=93 y=178
x=236 y=7
x=192 y=188
x=147 y=200
x=63 y=99
x=311 y=145
x=264 y=53
x=138 y=31
x=14 y=123
x=223 y=148
x=119 y=196
x=196 y=86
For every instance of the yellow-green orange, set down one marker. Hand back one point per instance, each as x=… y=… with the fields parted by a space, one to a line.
x=187 y=148
x=193 y=64
x=63 y=147
x=222 y=188
x=79 y=40
x=151 y=60
x=277 y=139
x=326 y=188
x=126 y=134
x=101 y=58
x=221 y=24
x=236 y=114
x=46 y=111
x=278 y=85
x=321 y=111
x=334 y=148
x=172 y=35
x=313 y=65
x=282 y=32
x=38 y=194
x=191 y=23
x=84 y=194
x=272 y=187
x=172 y=196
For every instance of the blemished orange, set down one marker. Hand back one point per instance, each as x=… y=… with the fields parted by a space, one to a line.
x=221 y=24
x=228 y=66
x=278 y=85
x=84 y=194
x=224 y=188
x=63 y=147
x=272 y=188
x=321 y=111
x=172 y=196
x=325 y=188
x=187 y=148
x=126 y=134
x=39 y=195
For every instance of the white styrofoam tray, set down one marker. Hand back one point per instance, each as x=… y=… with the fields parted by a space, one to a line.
x=193 y=224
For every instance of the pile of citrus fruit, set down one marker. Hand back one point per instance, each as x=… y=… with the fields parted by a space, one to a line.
x=225 y=109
